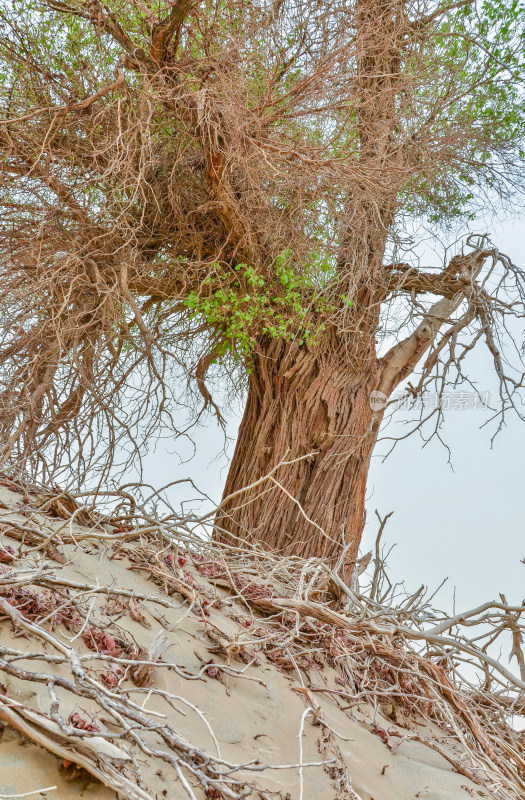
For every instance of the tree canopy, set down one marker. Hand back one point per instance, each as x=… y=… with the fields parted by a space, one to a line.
x=187 y=184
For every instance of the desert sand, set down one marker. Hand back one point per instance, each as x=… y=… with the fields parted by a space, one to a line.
x=293 y=719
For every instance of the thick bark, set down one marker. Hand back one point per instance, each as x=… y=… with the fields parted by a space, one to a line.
x=308 y=406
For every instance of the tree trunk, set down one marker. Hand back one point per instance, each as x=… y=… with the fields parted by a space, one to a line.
x=307 y=406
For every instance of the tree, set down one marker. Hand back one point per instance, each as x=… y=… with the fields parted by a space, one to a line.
x=190 y=187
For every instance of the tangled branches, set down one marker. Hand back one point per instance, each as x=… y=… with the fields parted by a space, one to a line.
x=186 y=184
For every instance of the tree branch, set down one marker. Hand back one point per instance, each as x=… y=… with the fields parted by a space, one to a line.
x=200 y=374
x=421 y=23
x=162 y=33
x=80 y=106
x=101 y=18
x=406 y=278
x=402 y=358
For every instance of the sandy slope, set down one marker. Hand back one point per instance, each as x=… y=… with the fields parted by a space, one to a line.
x=254 y=715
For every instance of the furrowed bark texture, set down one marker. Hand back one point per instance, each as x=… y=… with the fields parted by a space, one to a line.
x=302 y=405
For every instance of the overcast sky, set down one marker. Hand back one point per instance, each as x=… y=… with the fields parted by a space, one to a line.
x=463 y=522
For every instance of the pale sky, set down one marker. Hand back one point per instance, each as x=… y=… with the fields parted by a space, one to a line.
x=464 y=523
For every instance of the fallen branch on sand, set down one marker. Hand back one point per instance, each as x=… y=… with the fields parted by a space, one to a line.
x=412 y=664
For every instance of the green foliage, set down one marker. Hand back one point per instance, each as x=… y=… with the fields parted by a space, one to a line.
x=282 y=305
x=473 y=112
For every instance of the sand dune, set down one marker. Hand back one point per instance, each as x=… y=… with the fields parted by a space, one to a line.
x=290 y=715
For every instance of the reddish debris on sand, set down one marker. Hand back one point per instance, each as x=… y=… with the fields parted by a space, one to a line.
x=82 y=724
x=211 y=569
x=111 y=678
x=6 y=554
x=101 y=641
